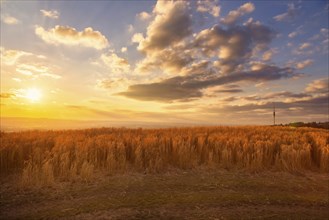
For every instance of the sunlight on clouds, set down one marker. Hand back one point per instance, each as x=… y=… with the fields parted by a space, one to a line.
x=267 y=56
x=10 y=57
x=234 y=15
x=208 y=6
x=304 y=64
x=137 y=38
x=206 y=57
x=144 y=16
x=225 y=52
x=70 y=36
x=116 y=64
x=318 y=86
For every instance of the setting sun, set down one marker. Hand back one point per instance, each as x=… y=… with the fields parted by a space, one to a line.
x=33 y=94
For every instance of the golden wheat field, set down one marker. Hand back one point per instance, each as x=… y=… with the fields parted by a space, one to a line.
x=47 y=156
x=37 y=161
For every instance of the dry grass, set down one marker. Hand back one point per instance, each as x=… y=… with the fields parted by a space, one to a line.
x=43 y=157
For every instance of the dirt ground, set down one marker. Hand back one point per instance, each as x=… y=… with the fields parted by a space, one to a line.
x=173 y=195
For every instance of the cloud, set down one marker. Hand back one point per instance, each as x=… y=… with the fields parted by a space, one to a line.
x=233 y=46
x=184 y=88
x=144 y=16
x=323 y=34
x=124 y=49
x=289 y=15
x=10 y=20
x=229 y=90
x=171 y=24
x=293 y=34
x=275 y=96
x=114 y=84
x=70 y=36
x=36 y=69
x=268 y=54
x=10 y=57
x=28 y=64
x=234 y=15
x=304 y=49
x=298 y=107
x=115 y=64
x=182 y=64
x=137 y=38
x=6 y=95
x=185 y=66
x=165 y=91
x=298 y=31
x=321 y=41
x=318 y=86
x=304 y=46
x=170 y=61
x=170 y=46
x=304 y=64
x=208 y=6
x=50 y=14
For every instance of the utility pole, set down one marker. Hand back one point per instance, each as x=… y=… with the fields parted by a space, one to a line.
x=273 y=113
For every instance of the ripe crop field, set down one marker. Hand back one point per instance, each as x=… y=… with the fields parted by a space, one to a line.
x=262 y=172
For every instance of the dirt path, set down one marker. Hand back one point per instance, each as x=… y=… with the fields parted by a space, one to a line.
x=174 y=195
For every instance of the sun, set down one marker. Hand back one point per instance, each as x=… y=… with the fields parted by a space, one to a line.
x=33 y=94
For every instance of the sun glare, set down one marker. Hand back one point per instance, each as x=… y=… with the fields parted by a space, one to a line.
x=33 y=94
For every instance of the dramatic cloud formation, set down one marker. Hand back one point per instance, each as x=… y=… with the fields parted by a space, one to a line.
x=184 y=56
x=10 y=20
x=234 y=15
x=170 y=61
x=187 y=87
x=289 y=15
x=206 y=60
x=50 y=14
x=70 y=36
x=208 y=6
x=171 y=24
x=233 y=46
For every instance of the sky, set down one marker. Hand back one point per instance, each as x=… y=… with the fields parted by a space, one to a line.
x=165 y=62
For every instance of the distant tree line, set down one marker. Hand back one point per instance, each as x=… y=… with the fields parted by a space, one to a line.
x=324 y=125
